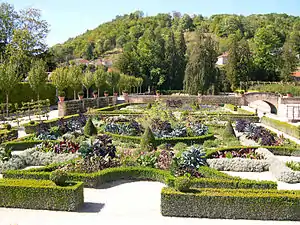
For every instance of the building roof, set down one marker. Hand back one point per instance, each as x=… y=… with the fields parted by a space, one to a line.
x=296 y=74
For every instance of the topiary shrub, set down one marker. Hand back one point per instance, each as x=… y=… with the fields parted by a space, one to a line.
x=59 y=177
x=182 y=184
x=8 y=126
x=149 y=106
x=228 y=132
x=89 y=128
x=148 y=142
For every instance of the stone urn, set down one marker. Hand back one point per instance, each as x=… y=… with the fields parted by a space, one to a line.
x=106 y=93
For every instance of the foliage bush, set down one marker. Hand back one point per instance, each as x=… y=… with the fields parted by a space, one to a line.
x=59 y=177
x=228 y=132
x=182 y=184
x=294 y=165
x=89 y=128
x=100 y=146
x=37 y=194
x=148 y=142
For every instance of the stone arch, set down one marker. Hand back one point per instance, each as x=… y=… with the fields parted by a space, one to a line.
x=263 y=106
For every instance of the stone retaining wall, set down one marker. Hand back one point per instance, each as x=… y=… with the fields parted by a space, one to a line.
x=204 y=99
x=75 y=106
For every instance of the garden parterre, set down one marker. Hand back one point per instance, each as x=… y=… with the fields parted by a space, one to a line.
x=170 y=151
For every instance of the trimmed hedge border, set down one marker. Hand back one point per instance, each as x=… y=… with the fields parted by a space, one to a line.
x=276 y=150
x=232 y=204
x=33 y=194
x=282 y=126
x=23 y=145
x=187 y=140
x=93 y=180
x=8 y=135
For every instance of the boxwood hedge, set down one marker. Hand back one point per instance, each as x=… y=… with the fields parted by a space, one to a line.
x=232 y=204
x=138 y=173
x=187 y=140
x=33 y=194
x=23 y=145
x=282 y=126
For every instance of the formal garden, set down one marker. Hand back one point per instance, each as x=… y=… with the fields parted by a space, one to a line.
x=189 y=147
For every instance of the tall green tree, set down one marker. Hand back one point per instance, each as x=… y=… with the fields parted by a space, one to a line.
x=201 y=73
x=239 y=66
x=113 y=79
x=100 y=78
x=266 y=53
x=289 y=60
x=75 y=76
x=59 y=78
x=8 y=80
x=87 y=81
x=181 y=49
x=37 y=77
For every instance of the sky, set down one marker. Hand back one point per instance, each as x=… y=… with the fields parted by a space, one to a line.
x=69 y=18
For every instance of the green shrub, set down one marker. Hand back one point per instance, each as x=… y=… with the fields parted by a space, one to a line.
x=149 y=106
x=41 y=194
x=230 y=107
x=253 y=204
x=180 y=147
x=89 y=128
x=294 y=165
x=182 y=184
x=59 y=177
x=228 y=132
x=148 y=142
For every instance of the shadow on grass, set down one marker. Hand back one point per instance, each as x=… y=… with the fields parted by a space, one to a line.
x=91 y=207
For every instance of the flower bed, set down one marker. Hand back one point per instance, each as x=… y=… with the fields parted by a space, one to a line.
x=251 y=204
x=33 y=194
x=93 y=180
x=279 y=169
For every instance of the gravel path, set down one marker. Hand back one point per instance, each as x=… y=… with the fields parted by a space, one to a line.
x=128 y=203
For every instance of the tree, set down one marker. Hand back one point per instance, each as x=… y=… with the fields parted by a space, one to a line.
x=289 y=60
x=113 y=79
x=100 y=77
x=37 y=77
x=239 y=64
x=8 y=80
x=87 y=81
x=59 y=78
x=266 y=53
x=140 y=82
x=186 y=23
x=75 y=76
x=201 y=73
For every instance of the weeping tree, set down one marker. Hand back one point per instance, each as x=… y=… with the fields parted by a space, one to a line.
x=75 y=76
x=37 y=77
x=100 y=77
x=59 y=78
x=8 y=80
x=201 y=72
x=87 y=81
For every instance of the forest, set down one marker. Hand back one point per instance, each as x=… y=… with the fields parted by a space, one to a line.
x=169 y=51
x=162 y=48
